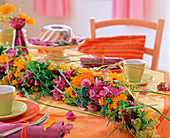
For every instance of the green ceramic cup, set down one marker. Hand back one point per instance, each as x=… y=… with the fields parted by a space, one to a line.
x=134 y=69
x=7 y=96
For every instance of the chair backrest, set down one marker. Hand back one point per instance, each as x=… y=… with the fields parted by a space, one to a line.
x=158 y=27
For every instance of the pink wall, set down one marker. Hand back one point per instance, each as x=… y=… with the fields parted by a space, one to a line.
x=82 y=10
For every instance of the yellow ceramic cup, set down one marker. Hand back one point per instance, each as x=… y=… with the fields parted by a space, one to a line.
x=7 y=96
x=133 y=69
x=6 y=35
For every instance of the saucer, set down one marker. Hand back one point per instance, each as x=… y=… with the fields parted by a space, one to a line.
x=146 y=78
x=18 y=109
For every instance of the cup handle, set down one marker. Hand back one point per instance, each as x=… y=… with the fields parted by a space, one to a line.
x=120 y=65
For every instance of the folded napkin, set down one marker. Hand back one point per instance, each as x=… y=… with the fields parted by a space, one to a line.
x=128 y=47
x=54 y=131
x=89 y=62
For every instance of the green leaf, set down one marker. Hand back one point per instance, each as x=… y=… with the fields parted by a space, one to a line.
x=108 y=100
x=160 y=113
x=1 y=49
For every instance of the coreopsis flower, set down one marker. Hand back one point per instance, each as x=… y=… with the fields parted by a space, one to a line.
x=6 y=9
x=51 y=67
x=70 y=116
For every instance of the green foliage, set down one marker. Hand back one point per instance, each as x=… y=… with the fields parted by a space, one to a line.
x=1 y=49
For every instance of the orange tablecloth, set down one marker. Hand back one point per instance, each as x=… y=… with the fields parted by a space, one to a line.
x=92 y=127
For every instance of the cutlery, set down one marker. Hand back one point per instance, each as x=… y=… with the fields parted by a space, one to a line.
x=38 y=122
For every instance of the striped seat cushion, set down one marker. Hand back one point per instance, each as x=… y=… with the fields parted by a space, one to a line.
x=128 y=47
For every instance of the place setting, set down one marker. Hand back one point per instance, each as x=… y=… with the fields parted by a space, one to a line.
x=13 y=110
x=134 y=71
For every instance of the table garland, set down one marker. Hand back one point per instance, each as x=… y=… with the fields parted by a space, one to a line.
x=104 y=94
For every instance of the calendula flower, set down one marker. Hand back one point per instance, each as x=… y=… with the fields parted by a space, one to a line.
x=51 y=67
x=102 y=102
x=122 y=97
x=6 y=9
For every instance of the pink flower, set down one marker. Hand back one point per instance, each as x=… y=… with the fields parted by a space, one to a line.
x=37 y=82
x=17 y=23
x=104 y=92
x=143 y=93
x=21 y=94
x=41 y=61
x=70 y=116
x=92 y=108
x=121 y=88
x=11 y=52
x=57 y=96
x=86 y=83
x=66 y=128
x=115 y=91
x=168 y=86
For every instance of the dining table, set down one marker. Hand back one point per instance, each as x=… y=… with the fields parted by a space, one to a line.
x=86 y=126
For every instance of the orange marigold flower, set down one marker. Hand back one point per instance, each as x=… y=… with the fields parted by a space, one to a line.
x=122 y=97
x=51 y=67
x=6 y=9
x=102 y=102
x=115 y=100
x=14 y=82
x=28 y=20
x=81 y=75
x=120 y=78
x=149 y=114
x=7 y=78
x=112 y=106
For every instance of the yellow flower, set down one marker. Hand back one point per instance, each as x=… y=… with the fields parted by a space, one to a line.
x=28 y=20
x=28 y=57
x=51 y=67
x=14 y=82
x=113 y=76
x=120 y=78
x=71 y=92
x=102 y=102
x=63 y=67
x=6 y=9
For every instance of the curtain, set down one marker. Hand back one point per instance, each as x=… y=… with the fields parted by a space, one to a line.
x=51 y=8
x=129 y=9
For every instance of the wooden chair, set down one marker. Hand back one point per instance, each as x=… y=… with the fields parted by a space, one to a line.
x=158 y=27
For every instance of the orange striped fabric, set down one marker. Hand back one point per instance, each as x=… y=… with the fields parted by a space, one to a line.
x=128 y=47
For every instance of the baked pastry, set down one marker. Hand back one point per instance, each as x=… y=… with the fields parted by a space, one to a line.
x=56 y=33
